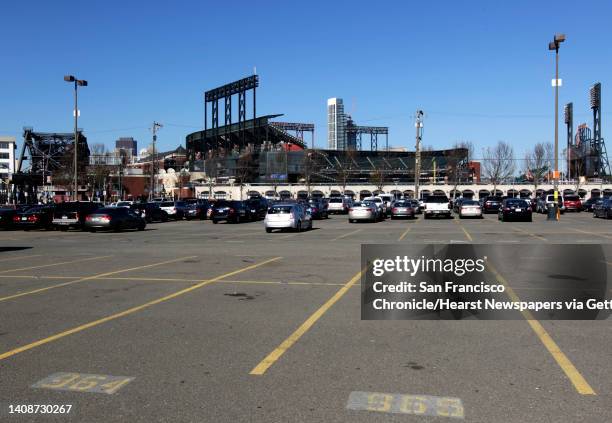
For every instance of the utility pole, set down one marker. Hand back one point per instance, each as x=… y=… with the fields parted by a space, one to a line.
x=417 y=156
x=153 y=188
x=554 y=46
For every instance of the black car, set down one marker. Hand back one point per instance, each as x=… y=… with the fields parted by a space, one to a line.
x=258 y=207
x=492 y=204
x=6 y=217
x=197 y=209
x=115 y=219
x=72 y=214
x=603 y=208
x=318 y=209
x=230 y=211
x=151 y=212
x=588 y=204
x=35 y=217
x=514 y=209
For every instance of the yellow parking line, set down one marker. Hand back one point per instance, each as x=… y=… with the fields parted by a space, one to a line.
x=88 y=278
x=347 y=234
x=271 y=358
x=467 y=234
x=20 y=258
x=591 y=233
x=132 y=310
x=404 y=233
x=572 y=373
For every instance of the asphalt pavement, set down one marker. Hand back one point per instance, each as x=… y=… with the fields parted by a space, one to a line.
x=194 y=322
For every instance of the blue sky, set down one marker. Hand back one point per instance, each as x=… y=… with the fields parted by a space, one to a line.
x=480 y=70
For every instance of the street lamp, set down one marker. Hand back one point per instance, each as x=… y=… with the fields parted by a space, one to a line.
x=77 y=83
x=554 y=46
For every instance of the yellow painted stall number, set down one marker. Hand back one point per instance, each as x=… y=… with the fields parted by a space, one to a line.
x=425 y=405
x=81 y=382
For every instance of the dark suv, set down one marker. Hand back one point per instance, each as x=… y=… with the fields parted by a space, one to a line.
x=492 y=204
x=230 y=211
x=258 y=207
x=150 y=212
x=72 y=214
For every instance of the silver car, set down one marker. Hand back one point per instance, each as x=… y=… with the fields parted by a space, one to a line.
x=469 y=208
x=287 y=216
x=364 y=210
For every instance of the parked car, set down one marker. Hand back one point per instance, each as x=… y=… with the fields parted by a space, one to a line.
x=317 y=209
x=365 y=210
x=175 y=209
x=379 y=202
x=197 y=210
x=572 y=203
x=415 y=204
x=150 y=212
x=35 y=217
x=114 y=218
x=72 y=214
x=469 y=208
x=546 y=201
x=257 y=207
x=457 y=204
x=230 y=211
x=404 y=208
x=287 y=216
x=6 y=217
x=126 y=204
x=588 y=204
x=491 y=204
x=603 y=208
x=515 y=209
x=339 y=205
x=436 y=205
x=387 y=200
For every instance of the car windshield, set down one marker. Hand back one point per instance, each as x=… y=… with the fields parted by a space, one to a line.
x=572 y=198
x=470 y=203
x=335 y=200
x=403 y=204
x=516 y=203
x=123 y=203
x=167 y=204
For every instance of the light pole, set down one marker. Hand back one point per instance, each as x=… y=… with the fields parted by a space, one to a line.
x=554 y=46
x=77 y=83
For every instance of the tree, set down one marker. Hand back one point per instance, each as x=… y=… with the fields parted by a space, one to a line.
x=310 y=166
x=536 y=164
x=457 y=163
x=498 y=163
x=245 y=168
x=99 y=168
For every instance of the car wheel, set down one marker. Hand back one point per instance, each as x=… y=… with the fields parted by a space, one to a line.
x=92 y=230
x=351 y=221
x=215 y=221
x=298 y=228
x=141 y=228
x=164 y=218
x=268 y=230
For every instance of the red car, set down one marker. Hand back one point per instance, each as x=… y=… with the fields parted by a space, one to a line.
x=572 y=203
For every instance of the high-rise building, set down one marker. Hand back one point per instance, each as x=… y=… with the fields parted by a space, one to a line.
x=336 y=124
x=7 y=158
x=128 y=144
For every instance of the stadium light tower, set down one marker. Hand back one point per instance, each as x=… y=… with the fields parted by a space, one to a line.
x=554 y=46
x=77 y=83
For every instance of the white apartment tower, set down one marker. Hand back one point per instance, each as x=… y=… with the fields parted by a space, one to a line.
x=336 y=124
x=7 y=158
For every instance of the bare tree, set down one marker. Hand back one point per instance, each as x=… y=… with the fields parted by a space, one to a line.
x=345 y=167
x=377 y=178
x=498 y=163
x=310 y=166
x=457 y=163
x=245 y=169
x=98 y=169
x=536 y=164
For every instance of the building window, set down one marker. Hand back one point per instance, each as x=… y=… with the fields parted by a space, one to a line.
x=4 y=156
x=4 y=145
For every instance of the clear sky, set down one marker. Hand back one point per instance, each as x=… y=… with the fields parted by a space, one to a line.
x=480 y=70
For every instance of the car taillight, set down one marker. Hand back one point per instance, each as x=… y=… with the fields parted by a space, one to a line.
x=368 y=209
x=507 y=208
x=88 y=218
x=231 y=211
x=394 y=209
x=77 y=215
x=15 y=218
x=32 y=218
x=105 y=217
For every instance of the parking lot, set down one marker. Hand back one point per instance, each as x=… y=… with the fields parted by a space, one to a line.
x=226 y=322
